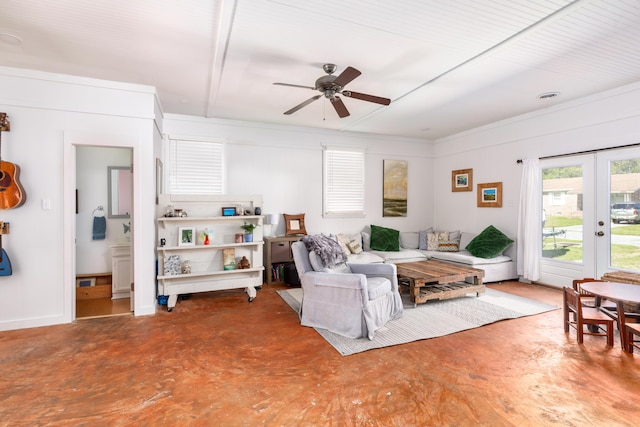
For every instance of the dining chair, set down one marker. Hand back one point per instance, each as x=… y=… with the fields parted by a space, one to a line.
x=585 y=316
x=587 y=299
x=628 y=326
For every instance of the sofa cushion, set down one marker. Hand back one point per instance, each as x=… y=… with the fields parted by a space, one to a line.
x=465 y=239
x=403 y=255
x=365 y=257
x=384 y=239
x=317 y=265
x=378 y=286
x=490 y=243
x=465 y=257
x=409 y=240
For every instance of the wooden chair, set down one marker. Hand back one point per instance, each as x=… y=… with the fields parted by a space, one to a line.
x=584 y=316
x=588 y=300
x=628 y=326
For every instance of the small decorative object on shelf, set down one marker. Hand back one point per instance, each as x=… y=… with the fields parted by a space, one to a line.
x=244 y=263
x=172 y=265
x=230 y=211
x=258 y=211
x=186 y=267
x=248 y=231
x=206 y=236
x=239 y=238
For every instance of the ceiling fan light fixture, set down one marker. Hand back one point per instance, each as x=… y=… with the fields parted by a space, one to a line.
x=548 y=95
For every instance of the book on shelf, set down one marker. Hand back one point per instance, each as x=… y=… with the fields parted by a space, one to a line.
x=172 y=265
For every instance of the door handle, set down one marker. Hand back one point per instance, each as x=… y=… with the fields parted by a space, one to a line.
x=600 y=233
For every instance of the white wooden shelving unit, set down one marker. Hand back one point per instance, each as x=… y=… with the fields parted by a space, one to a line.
x=207 y=271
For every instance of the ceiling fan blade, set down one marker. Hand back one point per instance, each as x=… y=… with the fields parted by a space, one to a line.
x=365 y=97
x=292 y=85
x=304 y=104
x=340 y=107
x=346 y=76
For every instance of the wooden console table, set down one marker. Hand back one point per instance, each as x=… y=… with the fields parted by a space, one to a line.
x=439 y=280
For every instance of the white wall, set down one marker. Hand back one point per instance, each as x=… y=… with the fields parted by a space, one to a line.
x=609 y=119
x=284 y=165
x=49 y=114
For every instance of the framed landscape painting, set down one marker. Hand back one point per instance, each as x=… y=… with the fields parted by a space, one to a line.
x=462 y=180
x=490 y=195
x=394 y=198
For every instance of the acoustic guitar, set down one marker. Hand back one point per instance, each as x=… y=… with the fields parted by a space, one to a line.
x=11 y=192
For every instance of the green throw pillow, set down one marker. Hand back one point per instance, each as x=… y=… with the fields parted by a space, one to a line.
x=489 y=244
x=384 y=239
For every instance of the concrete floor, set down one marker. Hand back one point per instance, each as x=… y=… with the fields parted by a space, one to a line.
x=219 y=360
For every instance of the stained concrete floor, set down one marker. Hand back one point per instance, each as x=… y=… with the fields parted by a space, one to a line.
x=219 y=360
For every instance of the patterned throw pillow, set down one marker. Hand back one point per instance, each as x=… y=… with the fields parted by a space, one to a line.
x=447 y=246
x=490 y=243
x=344 y=243
x=433 y=239
x=355 y=247
x=384 y=239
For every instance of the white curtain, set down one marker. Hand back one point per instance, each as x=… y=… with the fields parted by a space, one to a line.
x=529 y=240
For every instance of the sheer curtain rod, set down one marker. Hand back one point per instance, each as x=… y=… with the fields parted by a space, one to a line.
x=585 y=152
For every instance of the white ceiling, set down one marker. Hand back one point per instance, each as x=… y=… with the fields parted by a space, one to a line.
x=447 y=66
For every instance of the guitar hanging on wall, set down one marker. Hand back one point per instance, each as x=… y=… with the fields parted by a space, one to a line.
x=11 y=192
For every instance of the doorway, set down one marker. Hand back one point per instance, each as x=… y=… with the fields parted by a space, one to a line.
x=103 y=201
x=584 y=231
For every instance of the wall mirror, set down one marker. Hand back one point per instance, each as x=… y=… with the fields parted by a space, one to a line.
x=119 y=187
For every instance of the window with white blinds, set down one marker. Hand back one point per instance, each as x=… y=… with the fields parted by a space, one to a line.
x=343 y=186
x=196 y=167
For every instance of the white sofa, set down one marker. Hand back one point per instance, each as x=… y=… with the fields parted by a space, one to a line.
x=497 y=269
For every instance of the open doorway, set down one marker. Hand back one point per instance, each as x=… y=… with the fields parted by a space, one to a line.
x=104 y=194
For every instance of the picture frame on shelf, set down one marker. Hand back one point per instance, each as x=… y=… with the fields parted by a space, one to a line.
x=229 y=259
x=186 y=236
x=294 y=225
x=229 y=211
x=462 y=180
x=490 y=195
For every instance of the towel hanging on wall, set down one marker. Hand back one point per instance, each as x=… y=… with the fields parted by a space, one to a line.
x=99 y=230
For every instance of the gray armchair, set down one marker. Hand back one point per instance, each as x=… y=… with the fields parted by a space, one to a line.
x=354 y=304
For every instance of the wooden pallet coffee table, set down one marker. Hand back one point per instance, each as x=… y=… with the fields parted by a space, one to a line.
x=439 y=280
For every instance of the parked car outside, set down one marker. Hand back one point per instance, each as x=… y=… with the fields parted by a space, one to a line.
x=626 y=211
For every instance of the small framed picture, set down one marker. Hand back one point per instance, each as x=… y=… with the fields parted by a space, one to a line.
x=294 y=225
x=462 y=180
x=84 y=282
x=186 y=236
x=490 y=195
x=228 y=211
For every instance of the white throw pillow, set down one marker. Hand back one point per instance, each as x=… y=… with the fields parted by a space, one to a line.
x=343 y=240
x=433 y=239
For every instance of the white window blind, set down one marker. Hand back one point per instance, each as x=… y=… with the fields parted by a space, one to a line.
x=196 y=167
x=343 y=182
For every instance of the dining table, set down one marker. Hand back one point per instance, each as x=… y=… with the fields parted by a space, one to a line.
x=618 y=293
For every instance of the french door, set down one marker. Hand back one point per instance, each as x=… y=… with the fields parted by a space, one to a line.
x=579 y=238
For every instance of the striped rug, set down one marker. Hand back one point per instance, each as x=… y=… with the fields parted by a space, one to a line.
x=433 y=319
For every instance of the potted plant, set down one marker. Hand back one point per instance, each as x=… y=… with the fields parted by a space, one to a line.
x=248 y=231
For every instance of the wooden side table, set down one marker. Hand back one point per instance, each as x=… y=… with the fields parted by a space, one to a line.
x=277 y=253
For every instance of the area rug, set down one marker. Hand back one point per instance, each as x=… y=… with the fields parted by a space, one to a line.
x=433 y=319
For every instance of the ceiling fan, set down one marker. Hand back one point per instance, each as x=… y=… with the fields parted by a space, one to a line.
x=331 y=86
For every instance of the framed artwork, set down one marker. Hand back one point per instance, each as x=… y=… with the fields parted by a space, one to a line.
x=186 y=236
x=394 y=191
x=490 y=195
x=229 y=259
x=228 y=211
x=88 y=281
x=294 y=225
x=462 y=180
